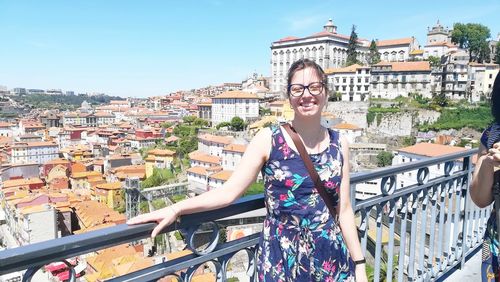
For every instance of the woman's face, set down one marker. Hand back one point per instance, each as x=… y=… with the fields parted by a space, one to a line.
x=307 y=104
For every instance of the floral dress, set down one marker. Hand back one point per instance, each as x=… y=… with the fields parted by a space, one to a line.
x=300 y=240
x=490 y=252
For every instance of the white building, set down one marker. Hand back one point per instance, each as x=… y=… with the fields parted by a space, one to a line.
x=232 y=104
x=34 y=152
x=390 y=80
x=231 y=156
x=481 y=79
x=218 y=179
x=352 y=82
x=349 y=131
x=327 y=48
x=37 y=224
x=439 y=49
x=397 y=50
x=213 y=144
x=6 y=129
x=423 y=151
x=198 y=158
x=140 y=143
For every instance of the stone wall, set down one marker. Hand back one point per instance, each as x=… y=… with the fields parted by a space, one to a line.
x=350 y=112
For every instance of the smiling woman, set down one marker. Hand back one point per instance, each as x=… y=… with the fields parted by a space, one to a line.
x=309 y=232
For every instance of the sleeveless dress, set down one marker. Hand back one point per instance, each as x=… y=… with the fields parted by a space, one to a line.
x=300 y=240
x=490 y=251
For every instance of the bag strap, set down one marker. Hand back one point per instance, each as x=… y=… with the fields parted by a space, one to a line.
x=310 y=168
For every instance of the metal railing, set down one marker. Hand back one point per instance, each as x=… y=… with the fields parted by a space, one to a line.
x=420 y=232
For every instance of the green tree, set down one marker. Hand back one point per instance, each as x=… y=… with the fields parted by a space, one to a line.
x=409 y=141
x=159 y=177
x=434 y=61
x=335 y=96
x=440 y=100
x=351 y=48
x=264 y=111
x=384 y=158
x=189 y=119
x=237 y=124
x=222 y=124
x=497 y=53
x=484 y=53
x=373 y=55
x=472 y=37
x=199 y=122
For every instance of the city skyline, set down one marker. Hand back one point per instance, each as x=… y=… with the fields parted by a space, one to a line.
x=133 y=50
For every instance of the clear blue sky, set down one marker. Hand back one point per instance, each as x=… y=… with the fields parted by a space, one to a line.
x=146 y=48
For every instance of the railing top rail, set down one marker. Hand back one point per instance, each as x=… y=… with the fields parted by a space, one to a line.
x=396 y=169
x=53 y=250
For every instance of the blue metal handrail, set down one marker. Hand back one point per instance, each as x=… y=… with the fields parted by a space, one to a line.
x=424 y=203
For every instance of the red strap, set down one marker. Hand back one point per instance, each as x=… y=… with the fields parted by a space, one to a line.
x=310 y=168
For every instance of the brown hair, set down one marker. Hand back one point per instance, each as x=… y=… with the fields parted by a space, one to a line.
x=302 y=64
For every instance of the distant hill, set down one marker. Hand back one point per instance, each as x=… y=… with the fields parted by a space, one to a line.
x=63 y=102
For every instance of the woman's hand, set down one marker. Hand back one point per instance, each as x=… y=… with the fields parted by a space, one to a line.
x=361 y=273
x=163 y=217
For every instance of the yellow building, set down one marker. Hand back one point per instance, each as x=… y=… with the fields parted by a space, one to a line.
x=109 y=193
x=159 y=158
x=82 y=180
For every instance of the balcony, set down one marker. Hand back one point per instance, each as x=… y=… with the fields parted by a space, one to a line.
x=421 y=232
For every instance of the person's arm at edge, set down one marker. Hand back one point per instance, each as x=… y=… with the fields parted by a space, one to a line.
x=482 y=179
x=254 y=157
x=346 y=213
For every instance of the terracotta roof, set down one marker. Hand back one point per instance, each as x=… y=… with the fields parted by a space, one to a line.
x=288 y=38
x=5 y=124
x=197 y=170
x=236 y=95
x=58 y=161
x=235 y=148
x=110 y=186
x=346 y=125
x=431 y=149
x=161 y=152
x=222 y=175
x=201 y=157
x=171 y=139
x=351 y=68
x=34 y=144
x=399 y=41
x=86 y=174
x=407 y=66
x=21 y=182
x=216 y=139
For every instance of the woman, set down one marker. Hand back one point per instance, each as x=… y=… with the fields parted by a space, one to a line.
x=301 y=240
x=482 y=182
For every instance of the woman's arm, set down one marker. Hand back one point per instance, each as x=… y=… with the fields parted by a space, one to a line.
x=254 y=157
x=482 y=179
x=346 y=214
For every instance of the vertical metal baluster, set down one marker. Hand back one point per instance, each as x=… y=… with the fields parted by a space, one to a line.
x=439 y=253
x=402 y=244
x=413 y=237
x=447 y=230
x=363 y=228
x=456 y=249
x=390 y=251
x=423 y=196
x=378 y=243
x=432 y=228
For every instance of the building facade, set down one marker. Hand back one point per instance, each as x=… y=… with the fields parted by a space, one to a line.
x=392 y=79
x=232 y=104
x=34 y=152
x=327 y=48
x=352 y=82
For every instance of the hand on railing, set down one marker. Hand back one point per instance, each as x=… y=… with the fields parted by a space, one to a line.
x=164 y=217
